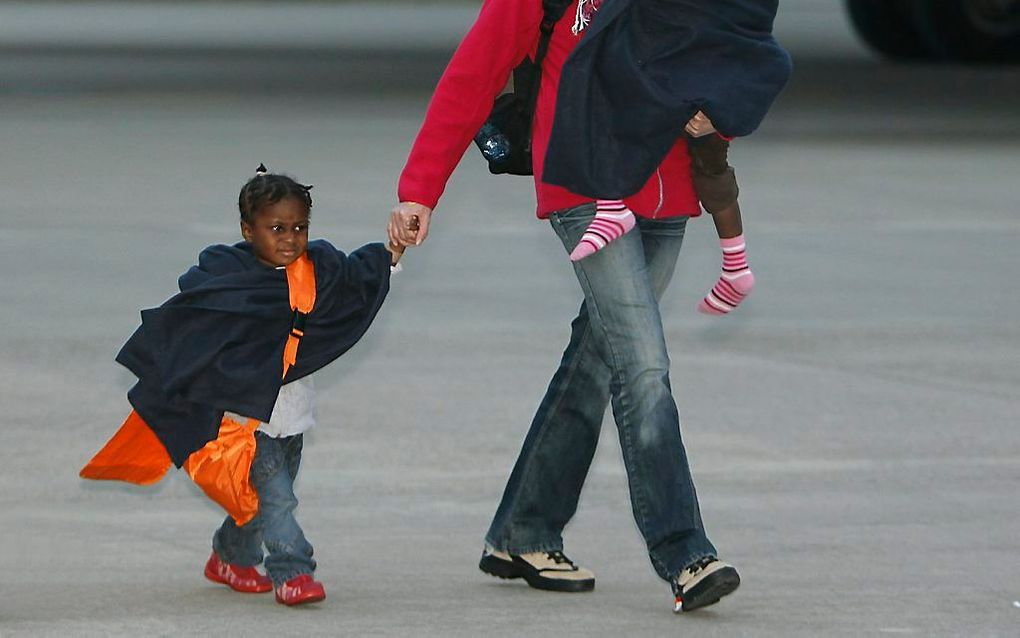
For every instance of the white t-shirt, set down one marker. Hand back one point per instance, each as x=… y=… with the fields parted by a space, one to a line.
x=294 y=412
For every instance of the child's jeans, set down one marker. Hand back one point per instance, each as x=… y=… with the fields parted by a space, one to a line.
x=272 y=475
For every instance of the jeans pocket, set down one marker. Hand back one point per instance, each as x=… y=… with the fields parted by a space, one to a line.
x=570 y=224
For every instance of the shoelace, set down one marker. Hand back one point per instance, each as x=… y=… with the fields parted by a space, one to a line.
x=700 y=564
x=558 y=558
x=692 y=569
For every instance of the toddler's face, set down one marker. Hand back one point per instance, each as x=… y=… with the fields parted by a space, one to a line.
x=279 y=232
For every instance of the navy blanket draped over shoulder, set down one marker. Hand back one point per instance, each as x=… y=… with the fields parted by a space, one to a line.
x=218 y=345
x=642 y=70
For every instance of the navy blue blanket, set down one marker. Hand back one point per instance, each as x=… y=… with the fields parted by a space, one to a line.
x=218 y=345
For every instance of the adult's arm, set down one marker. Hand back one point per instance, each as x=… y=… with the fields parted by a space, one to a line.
x=503 y=34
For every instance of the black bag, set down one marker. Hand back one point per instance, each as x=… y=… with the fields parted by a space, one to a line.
x=505 y=138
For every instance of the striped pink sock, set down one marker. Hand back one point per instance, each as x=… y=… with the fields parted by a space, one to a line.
x=612 y=220
x=734 y=283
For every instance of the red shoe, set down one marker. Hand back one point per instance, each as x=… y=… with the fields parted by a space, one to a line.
x=242 y=579
x=299 y=590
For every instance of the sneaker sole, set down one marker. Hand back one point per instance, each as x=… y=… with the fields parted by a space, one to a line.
x=509 y=571
x=710 y=591
x=311 y=599
x=214 y=577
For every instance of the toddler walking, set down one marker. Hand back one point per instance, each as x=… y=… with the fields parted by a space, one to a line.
x=224 y=387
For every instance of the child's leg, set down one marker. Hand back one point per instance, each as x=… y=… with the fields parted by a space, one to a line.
x=612 y=220
x=736 y=280
x=241 y=546
x=236 y=552
x=289 y=554
x=716 y=185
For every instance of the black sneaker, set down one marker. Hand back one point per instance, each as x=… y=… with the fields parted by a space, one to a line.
x=551 y=571
x=703 y=584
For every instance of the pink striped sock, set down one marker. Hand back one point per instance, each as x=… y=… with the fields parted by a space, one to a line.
x=734 y=283
x=612 y=220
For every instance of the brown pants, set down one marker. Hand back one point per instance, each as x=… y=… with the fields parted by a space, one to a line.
x=714 y=180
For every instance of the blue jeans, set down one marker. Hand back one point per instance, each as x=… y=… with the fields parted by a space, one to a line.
x=272 y=475
x=617 y=351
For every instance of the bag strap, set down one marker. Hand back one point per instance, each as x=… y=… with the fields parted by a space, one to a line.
x=301 y=288
x=552 y=11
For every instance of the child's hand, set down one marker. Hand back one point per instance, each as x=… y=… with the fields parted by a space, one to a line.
x=396 y=249
x=700 y=125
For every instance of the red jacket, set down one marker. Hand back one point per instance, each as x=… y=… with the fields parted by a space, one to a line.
x=506 y=31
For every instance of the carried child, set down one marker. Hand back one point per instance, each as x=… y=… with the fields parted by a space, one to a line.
x=644 y=75
x=224 y=388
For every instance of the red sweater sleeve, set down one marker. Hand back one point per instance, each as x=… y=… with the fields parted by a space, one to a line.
x=504 y=33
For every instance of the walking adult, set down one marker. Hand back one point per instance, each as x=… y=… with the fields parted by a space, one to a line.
x=617 y=351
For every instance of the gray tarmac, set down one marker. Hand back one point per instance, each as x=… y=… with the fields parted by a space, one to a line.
x=852 y=427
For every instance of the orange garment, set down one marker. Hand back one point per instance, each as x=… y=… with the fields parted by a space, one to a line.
x=221 y=468
x=134 y=454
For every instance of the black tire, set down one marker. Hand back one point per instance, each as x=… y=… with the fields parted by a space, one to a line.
x=973 y=31
x=887 y=26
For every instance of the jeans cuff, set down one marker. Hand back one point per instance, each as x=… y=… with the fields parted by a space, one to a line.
x=517 y=549
x=245 y=559
x=280 y=578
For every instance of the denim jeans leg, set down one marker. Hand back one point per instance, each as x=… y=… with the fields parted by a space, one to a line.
x=241 y=546
x=273 y=472
x=541 y=495
x=620 y=288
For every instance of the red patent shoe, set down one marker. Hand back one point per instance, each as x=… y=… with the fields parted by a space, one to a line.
x=299 y=590
x=243 y=579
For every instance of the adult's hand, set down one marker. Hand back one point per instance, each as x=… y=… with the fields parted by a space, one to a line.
x=401 y=227
x=699 y=125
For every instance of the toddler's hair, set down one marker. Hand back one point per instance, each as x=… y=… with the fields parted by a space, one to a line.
x=268 y=188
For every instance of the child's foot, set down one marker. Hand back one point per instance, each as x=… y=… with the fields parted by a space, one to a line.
x=703 y=583
x=612 y=220
x=243 y=579
x=734 y=283
x=300 y=590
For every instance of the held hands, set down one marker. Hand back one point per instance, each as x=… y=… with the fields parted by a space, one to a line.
x=408 y=226
x=401 y=218
x=700 y=125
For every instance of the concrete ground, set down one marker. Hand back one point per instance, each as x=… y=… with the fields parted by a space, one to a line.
x=862 y=474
